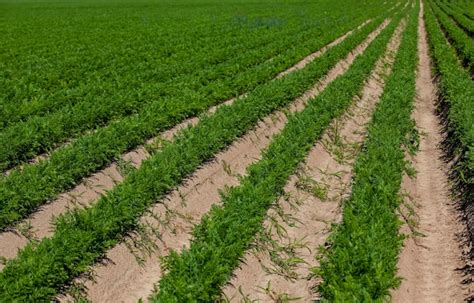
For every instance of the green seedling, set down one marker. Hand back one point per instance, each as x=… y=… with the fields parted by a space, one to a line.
x=315 y=188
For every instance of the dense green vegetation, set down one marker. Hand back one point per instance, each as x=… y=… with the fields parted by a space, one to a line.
x=466 y=7
x=68 y=165
x=82 y=236
x=85 y=93
x=361 y=262
x=226 y=232
x=460 y=40
x=88 y=38
x=457 y=101
x=458 y=16
x=218 y=81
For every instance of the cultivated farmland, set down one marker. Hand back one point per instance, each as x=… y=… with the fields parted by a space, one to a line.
x=236 y=151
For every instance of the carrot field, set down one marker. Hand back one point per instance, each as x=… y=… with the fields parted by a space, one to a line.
x=236 y=151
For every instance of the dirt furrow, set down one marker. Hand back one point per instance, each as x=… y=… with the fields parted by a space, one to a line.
x=133 y=267
x=38 y=225
x=279 y=267
x=431 y=261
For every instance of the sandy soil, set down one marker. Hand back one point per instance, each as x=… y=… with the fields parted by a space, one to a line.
x=133 y=267
x=431 y=260
x=279 y=266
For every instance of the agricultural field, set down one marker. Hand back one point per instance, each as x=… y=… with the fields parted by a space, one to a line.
x=236 y=151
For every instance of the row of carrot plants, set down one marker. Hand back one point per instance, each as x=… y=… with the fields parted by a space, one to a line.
x=168 y=75
x=206 y=51
x=463 y=21
x=360 y=262
x=121 y=81
x=160 y=58
x=68 y=165
x=456 y=103
x=112 y=100
x=82 y=236
x=465 y=7
x=226 y=232
x=460 y=40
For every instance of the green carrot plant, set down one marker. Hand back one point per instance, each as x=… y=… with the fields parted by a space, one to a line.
x=142 y=55
x=463 y=21
x=360 y=261
x=460 y=40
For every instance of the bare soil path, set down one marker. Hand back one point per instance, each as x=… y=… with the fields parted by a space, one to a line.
x=431 y=262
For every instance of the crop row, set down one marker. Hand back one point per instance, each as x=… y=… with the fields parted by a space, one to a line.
x=114 y=100
x=68 y=165
x=221 y=239
x=463 y=21
x=161 y=58
x=456 y=103
x=360 y=263
x=460 y=40
x=120 y=67
x=69 y=94
x=465 y=7
x=163 y=47
x=221 y=47
x=82 y=236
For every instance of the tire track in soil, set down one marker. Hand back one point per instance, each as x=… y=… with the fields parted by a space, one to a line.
x=278 y=267
x=133 y=267
x=38 y=225
x=430 y=262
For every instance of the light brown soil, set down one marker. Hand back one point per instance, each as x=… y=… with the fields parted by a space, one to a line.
x=301 y=221
x=38 y=225
x=123 y=279
x=430 y=263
